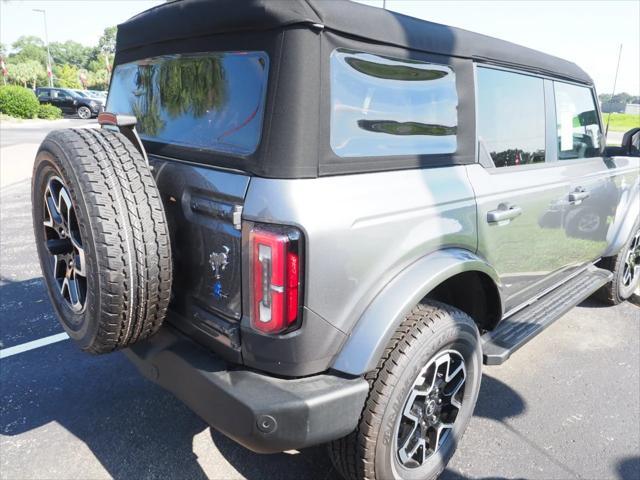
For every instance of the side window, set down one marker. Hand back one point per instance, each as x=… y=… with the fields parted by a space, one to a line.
x=511 y=117
x=382 y=106
x=577 y=120
x=43 y=93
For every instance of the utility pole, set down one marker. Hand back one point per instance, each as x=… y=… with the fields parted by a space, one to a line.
x=46 y=40
x=384 y=4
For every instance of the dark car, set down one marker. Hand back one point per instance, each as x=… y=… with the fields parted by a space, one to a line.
x=70 y=101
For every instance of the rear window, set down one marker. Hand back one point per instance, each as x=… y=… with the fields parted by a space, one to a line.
x=212 y=101
x=382 y=106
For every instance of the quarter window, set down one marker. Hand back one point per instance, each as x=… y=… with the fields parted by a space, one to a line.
x=511 y=117
x=382 y=106
x=577 y=120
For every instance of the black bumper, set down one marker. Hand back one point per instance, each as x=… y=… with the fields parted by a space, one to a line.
x=262 y=413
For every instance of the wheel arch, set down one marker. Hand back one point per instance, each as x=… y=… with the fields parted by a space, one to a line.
x=432 y=276
x=629 y=212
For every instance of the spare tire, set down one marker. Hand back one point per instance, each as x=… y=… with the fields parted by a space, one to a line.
x=102 y=238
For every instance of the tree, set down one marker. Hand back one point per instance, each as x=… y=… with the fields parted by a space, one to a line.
x=107 y=42
x=29 y=47
x=623 y=98
x=604 y=97
x=67 y=76
x=98 y=80
x=70 y=52
x=26 y=72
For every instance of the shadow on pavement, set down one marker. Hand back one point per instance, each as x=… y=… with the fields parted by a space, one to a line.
x=629 y=468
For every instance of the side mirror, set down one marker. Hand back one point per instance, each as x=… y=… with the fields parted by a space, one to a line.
x=631 y=142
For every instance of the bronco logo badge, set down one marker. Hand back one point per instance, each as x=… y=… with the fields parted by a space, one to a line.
x=219 y=262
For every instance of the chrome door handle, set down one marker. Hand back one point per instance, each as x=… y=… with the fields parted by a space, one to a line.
x=505 y=211
x=578 y=195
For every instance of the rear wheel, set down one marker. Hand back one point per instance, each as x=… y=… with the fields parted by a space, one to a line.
x=102 y=238
x=422 y=396
x=626 y=271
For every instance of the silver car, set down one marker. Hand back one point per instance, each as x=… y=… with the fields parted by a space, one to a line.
x=315 y=221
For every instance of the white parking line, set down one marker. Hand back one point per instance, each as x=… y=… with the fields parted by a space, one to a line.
x=25 y=347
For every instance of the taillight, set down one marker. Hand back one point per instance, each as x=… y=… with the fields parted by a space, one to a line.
x=276 y=277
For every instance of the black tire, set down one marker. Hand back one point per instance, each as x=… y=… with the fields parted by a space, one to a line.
x=116 y=222
x=620 y=289
x=431 y=330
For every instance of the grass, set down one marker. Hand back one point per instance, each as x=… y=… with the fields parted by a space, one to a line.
x=621 y=122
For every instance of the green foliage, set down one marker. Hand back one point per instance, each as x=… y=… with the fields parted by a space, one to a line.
x=70 y=52
x=107 y=42
x=98 y=80
x=622 y=98
x=67 y=76
x=29 y=48
x=18 y=102
x=67 y=59
x=196 y=84
x=26 y=72
x=49 y=112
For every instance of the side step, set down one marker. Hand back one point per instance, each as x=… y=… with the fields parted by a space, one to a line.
x=516 y=330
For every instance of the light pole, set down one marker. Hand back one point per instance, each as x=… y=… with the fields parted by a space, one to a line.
x=46 y=40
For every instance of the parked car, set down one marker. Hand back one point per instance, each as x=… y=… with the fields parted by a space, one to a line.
x=315 y=221
x=70 y=101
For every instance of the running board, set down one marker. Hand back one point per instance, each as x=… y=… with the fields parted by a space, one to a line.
x=516 y=330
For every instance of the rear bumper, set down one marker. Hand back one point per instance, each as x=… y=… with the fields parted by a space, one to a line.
x=262 y=413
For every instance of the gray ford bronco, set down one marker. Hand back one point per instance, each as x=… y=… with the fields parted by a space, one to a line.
x=315 y=221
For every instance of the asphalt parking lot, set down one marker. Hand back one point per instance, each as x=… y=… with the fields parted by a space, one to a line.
x=566 y=406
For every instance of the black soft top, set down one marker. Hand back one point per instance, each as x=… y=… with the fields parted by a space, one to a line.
x=182 y=19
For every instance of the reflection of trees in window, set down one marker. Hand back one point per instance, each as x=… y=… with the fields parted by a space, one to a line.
x=178 y=86
x=192 y=85
x=511 y=157
x=406 y=128
x=394 y=72
x=146 y=107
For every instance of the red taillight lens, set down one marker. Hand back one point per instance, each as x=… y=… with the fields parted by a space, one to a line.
x=275 y=283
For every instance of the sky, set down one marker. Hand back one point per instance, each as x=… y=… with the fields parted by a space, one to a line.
x=587 y=32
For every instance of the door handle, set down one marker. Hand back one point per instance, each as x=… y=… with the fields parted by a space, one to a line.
x=578 y=195
x=505 y=211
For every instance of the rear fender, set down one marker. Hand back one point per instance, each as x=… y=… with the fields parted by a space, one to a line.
x=628 y=211
x=380 y=320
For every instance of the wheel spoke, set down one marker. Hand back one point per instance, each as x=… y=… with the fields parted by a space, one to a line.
x=65 y=207
x=52 y=215
x=64 y=244
x=431 y=408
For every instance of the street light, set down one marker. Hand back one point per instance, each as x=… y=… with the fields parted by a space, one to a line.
x=46 y=40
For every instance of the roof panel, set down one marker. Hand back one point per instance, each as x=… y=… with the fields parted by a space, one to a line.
x=190 y=18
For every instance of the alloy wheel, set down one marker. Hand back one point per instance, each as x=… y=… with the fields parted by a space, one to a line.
x=84 y=113
x=631 y=267
x=431 y=409
x=64 y=244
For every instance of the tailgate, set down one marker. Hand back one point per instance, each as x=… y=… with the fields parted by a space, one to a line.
x=203 y=208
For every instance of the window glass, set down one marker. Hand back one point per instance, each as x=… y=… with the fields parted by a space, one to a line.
x=213 y=101
x=511 y=117
x=577 y=120
x=382 y=106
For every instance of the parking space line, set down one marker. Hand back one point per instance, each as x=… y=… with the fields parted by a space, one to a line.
x=25 y=347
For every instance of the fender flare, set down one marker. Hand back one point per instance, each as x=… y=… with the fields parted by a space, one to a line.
x=629 y=212
x=370 y=336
